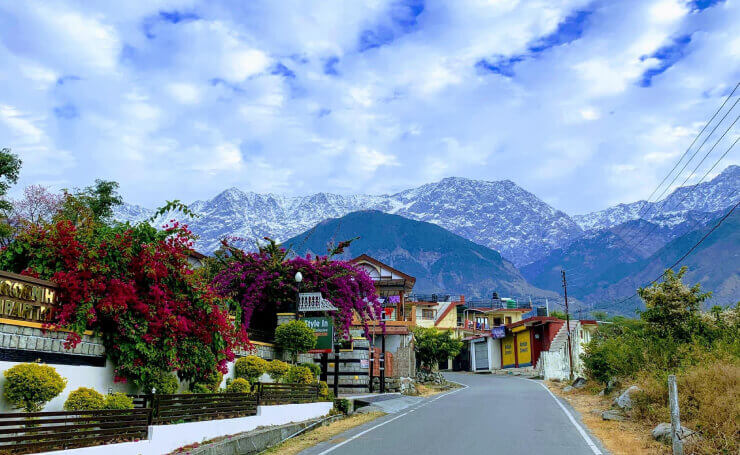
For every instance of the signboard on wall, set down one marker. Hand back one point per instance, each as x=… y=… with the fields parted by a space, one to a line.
x=498 y=332
x=26 y=298
x=323 y=328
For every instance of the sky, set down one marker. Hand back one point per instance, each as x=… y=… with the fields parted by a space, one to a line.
x=584 y=103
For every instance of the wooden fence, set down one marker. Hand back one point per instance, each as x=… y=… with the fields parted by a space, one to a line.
x=43 y=431
x=167 y=409
x=271 y=393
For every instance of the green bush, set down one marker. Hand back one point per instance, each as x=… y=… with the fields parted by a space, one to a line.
x=250 y=368
x=315 y=369
x=162 y=382
x=29 y=386
x=209 y=384
x=277 y=369
x=84 y=399
x=299 y=375
x=118 y=401
x=295 y=337
x=341 y=405
x=323 y=390
x=239 y=385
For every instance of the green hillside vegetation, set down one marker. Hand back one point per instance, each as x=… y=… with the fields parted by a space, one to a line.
x=440 y=260
x=673 y=336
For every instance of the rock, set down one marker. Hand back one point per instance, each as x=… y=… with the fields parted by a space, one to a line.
x=595 y=412
x=602 y=393
x=624 y=401
x=568 y=388
x=579 y=383
x=612 y=414
x=611 y=385
x=662 y=432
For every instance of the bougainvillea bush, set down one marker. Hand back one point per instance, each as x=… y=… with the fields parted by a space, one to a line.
x=134 y=287
x=264 y=280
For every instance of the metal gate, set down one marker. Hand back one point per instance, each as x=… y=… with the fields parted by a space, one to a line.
x=481 y=355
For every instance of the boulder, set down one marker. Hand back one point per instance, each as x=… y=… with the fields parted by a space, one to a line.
x=579 y=383
x=662 y=432
x=568 y=388
x=612 y=414
x=611 y=385
x=624 y=400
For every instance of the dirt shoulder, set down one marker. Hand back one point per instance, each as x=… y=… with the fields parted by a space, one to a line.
x=619 y=438
x=323 y=433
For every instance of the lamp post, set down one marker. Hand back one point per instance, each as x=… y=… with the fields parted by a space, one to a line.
x=298 y=279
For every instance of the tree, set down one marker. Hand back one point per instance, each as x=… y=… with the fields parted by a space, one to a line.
x=672 y=308
x=93 y=204
x=38 y=206
x=433 y=346
x=295 y=337
x=10 y=168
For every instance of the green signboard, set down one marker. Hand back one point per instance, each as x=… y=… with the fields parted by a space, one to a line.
x=323 y=328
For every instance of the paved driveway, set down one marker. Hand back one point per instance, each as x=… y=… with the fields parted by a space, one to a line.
x=492 y=415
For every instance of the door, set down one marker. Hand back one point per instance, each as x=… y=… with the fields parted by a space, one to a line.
x=524 y=349
x=481 y=356
x=508 y=356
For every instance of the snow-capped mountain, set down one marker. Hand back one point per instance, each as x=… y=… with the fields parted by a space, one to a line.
x=499 y=215
x=707 y=197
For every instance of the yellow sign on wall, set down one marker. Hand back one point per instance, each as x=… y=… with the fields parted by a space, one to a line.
x=507 y=346
x=524 y=350
x=25 y=298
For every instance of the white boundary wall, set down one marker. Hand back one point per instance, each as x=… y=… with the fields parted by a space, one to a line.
x=166 y=438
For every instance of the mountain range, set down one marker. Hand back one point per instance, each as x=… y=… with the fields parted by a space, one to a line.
x=441 y=262
x=499 y=215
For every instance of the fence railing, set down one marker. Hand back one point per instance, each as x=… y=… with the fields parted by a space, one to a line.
x=167 y=409
x=44 y=431
x=271 y=393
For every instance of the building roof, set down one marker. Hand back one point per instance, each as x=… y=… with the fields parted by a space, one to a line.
x=534 y=320
x=410 y=281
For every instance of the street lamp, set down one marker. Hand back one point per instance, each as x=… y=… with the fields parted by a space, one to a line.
x=298 y=279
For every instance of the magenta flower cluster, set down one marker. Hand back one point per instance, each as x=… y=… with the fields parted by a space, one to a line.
x=258 y=279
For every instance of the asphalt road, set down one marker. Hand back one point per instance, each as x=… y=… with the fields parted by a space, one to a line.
x=493 y=415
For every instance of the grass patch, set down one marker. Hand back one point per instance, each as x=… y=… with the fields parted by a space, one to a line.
x=321 y=434
x=619 y=438
x=426 y=390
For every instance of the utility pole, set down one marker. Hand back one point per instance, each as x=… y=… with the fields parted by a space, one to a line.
x=567 y=325
x=547 y=306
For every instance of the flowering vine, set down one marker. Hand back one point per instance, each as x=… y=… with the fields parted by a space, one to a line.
x=263 y=280
x=134 y=287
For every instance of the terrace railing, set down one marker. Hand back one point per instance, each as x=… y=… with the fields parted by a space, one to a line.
x=271 y=393
x=44 y=431
x=193 y=407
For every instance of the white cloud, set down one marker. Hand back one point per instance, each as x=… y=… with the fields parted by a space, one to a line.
x=184 y=93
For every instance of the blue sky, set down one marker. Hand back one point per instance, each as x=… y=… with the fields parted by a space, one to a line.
x=584 y=103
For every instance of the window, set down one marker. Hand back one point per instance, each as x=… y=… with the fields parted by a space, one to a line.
x=496 y=321
x=508 y=319
x=427 y=314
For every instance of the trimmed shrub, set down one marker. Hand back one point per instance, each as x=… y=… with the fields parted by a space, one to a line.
x=210 y=384
x=277 y=369
x=315 y=369
x=29 y=386
x=250 y=368
x=295 y=337
x=162 y=382
x=239 y=385
x=299 y=375
x=84 y=399
x=118 y=401
x=323 y=390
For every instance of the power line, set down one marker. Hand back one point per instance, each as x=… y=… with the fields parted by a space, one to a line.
x=633 y=235
x=655 y=226
x=706 y=125
x=678 y=261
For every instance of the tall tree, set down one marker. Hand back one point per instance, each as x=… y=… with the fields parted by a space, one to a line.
x=92 y=204
x=38 y=205
x=10 y=168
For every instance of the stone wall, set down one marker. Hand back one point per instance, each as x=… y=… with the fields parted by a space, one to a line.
x=404 y=362
x=354 y=378
x=35 y=339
